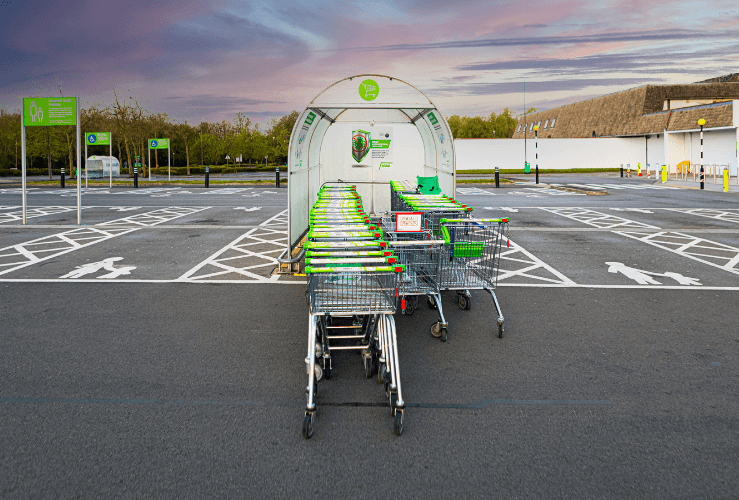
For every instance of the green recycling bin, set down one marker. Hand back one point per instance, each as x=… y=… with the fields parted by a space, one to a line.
x=527 y=168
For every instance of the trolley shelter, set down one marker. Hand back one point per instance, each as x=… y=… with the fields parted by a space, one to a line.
x=367 y=129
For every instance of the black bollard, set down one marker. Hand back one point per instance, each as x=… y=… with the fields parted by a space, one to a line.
x=277 y=176
x=537 y=174
x=62 y=179
x=703 y=177
x=136 y=177
x=497 y=178
x=622 y=170
x=207 y=176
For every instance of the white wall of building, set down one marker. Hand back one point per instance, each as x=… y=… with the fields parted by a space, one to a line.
x=599 y=152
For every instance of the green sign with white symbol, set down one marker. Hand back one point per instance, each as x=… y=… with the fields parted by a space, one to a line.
x=369 y=90
x=158 y=143
x=49 y=111
x=97 y=138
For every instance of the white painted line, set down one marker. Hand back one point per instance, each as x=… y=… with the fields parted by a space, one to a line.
x=596 y=219
x=514 y=254
x=155 y=217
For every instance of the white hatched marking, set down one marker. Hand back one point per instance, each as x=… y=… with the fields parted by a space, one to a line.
x=597 y=219
x=271 y=234
x=34 y=212
x=539 y=192
x=473 y=191
x=722 y=256
x=730 y=215
x=517 y=261
x=153 y=218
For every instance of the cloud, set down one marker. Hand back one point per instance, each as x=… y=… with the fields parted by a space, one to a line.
x=516 y=87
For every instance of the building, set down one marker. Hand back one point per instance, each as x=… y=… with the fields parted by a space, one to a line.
x=665 y=117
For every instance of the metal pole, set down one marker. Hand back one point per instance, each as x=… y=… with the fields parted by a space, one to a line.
x=149 y=165
x=79 y=165
x=23 y=160
x=702 y=173
x=169 y=163
x=536 y=142
x=85 y=162
x=110 y=154
x=525 y=124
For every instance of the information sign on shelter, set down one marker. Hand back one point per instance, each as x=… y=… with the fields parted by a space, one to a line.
x=408 y=222
x=49 y=111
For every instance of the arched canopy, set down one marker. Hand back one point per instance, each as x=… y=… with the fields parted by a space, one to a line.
x=364 y=102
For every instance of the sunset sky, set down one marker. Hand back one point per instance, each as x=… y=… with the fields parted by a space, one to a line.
x=206 y=60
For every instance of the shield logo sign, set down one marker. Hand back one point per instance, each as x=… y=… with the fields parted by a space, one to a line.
x=360 y=144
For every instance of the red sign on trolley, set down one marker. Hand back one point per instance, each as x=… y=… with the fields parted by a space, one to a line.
x=408 y=222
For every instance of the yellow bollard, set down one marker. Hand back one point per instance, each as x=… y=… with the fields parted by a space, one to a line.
x=664 y=174
x=726 y=180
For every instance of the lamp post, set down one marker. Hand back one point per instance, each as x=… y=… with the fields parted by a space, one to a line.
x=536 y=142
x=702 y=122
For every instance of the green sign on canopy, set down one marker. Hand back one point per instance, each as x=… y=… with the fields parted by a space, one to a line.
x=47 y=111
x=97 y=138
x=158 y=143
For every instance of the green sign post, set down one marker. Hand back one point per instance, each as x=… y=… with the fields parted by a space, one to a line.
x=160 y=144
x=100 y=139
x=50 y=112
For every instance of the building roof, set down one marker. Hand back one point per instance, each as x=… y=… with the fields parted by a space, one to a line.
x=640 y=111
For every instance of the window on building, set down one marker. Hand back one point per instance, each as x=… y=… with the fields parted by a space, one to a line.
x=545 y=124
x=554 y=120
x=531 y=127
x=519 y=128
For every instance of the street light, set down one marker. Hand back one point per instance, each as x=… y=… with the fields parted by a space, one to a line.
x=702 y=122
x=536 y=141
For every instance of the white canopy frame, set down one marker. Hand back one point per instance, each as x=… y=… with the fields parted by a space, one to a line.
x=396 y=102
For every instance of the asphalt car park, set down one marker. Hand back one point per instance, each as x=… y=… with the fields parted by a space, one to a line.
x=152 y=351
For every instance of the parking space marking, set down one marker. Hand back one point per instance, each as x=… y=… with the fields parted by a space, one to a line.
x=622 y=186
x=47 y=247
x=730 y=215
x=517 y=261
x=539 y=192
x=709 y=252
x=153 y=218
x=34 y=212
x=597 y=219
x=255 y=251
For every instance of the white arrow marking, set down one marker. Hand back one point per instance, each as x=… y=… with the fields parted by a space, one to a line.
x=644 y=277
x=250 y=209
x=124 y=209
x=505 y=209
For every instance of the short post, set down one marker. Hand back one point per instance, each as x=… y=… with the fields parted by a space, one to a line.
x=715 y=171
x=277 y=176
x=207 y=176
x=536 y=142
x=638 y=169
x=62 y=179
x=136 y=176
x=726 y=179
x=628 y=170
x=622 y=170
x=497 y=177
x=664 y=174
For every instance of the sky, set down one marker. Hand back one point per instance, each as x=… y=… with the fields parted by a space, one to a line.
x=209 y=59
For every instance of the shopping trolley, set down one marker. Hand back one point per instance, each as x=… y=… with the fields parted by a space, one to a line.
x=354 y=292
x=471 y=258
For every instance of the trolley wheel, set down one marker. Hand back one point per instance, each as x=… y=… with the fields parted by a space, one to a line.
x=438 y=331
x=431 y=303
x=308 y=425
x=327 y=368
x=398 y=421
x=381 y=374
x=500 y=330
x=369 y=365
x=393 y=402
x=409 y=308
x=465 y=302
x=444 y=334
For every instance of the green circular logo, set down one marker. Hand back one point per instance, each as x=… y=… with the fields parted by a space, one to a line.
x=368 y=90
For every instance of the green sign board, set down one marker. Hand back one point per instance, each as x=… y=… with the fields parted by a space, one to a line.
x=97 y=138
x=368 y=90
x=48 y=111
x=158 y=143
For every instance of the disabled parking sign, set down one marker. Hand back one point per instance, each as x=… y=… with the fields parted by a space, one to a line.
x=158 y=144
x=97 y=138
